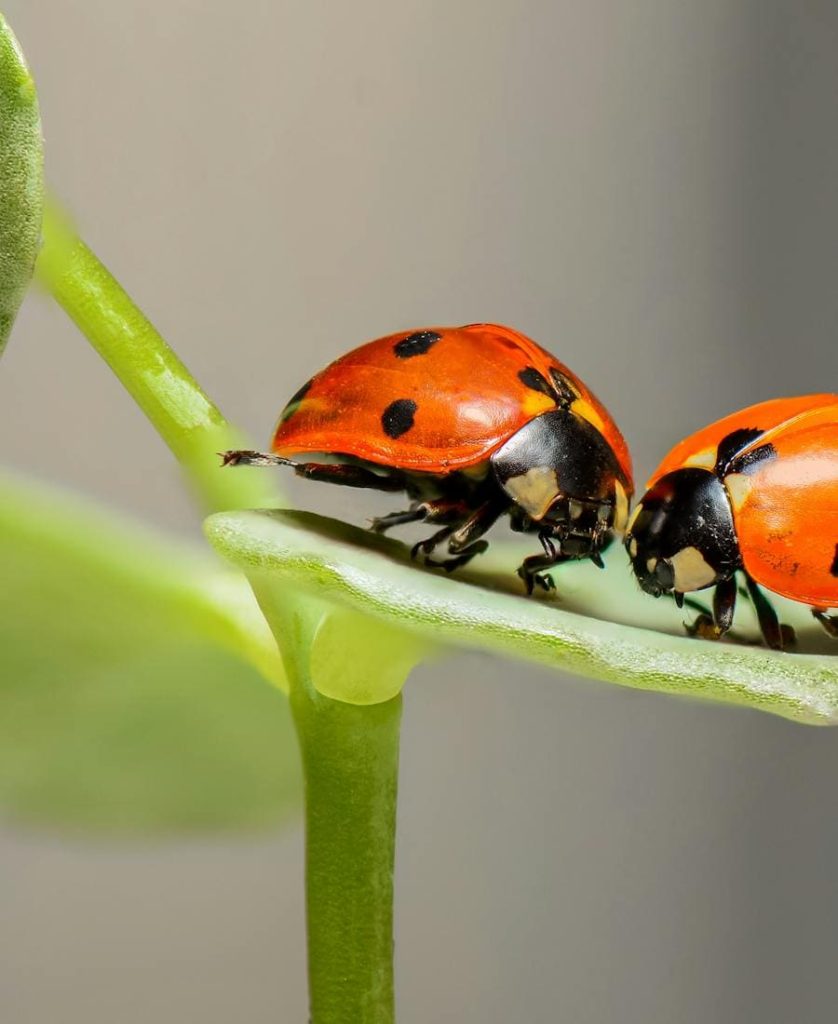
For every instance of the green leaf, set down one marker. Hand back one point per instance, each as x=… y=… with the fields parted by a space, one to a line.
x=600 y=626
x=132 y=679
x=21 y=178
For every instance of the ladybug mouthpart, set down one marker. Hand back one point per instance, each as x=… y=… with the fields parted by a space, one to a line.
x=580 y=527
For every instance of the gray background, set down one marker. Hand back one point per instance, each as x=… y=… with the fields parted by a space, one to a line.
x=649 y=189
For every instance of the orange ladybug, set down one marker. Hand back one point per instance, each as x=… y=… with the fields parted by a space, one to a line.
x=757 y=492
x=472 y=423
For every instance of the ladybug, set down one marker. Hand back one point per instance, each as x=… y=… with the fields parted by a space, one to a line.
x=472 y=423
x=755 y=492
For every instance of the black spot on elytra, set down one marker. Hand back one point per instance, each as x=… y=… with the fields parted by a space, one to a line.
x=295 y=400
x=416 y=344
x=834 y=567
x=730 y=446
x=397 y=418
x=536 y=381
x=567 y=396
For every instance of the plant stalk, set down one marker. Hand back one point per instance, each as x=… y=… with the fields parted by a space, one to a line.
x=350 y=762
x=164 y=389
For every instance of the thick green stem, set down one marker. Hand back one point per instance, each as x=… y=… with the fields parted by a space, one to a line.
x=350 y=755
x=21 y=178
x=187 y=420
x=350 y=763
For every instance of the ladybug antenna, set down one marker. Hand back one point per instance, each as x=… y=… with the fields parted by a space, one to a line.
x=248 y=458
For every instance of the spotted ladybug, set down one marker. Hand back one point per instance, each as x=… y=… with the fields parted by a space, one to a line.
x=472 y=423
x=757 y=492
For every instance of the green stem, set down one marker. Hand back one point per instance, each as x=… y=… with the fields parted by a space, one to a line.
x=350 y=763
x=187 y=420
x=21 y=178
x=350 y=757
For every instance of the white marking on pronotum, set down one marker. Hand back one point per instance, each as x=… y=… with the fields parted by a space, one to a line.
x=621 y=507
x=692 y=572
x=535 y=491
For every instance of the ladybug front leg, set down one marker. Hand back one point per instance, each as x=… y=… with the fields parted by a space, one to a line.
x=714 y=627
x=531 y=571
x=829 y=622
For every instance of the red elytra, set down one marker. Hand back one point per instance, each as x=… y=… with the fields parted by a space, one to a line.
x=468 y=390
x=473 y=423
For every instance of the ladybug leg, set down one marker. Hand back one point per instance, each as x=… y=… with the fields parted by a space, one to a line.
x=349 y=476
x=466 y=555
x=519 y=521
x=425 y=547
x=462 y=537
x=249 y=458
x=337 y=473
x=724 y=604
x=463 y=544
x=439 y=511
x=778 y=636
x=829 y=622
x=531 y=569
x=714 y=627
x=532 y=572
x=383 y=523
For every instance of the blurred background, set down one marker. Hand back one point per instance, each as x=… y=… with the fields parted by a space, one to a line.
x=648 y=189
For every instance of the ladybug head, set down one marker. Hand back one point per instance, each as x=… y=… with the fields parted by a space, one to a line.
x=681 y=536
x=562 y=473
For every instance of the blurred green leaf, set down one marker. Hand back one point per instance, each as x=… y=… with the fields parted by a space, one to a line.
x=132 y=679
x=21 y=178
x=600 y=625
